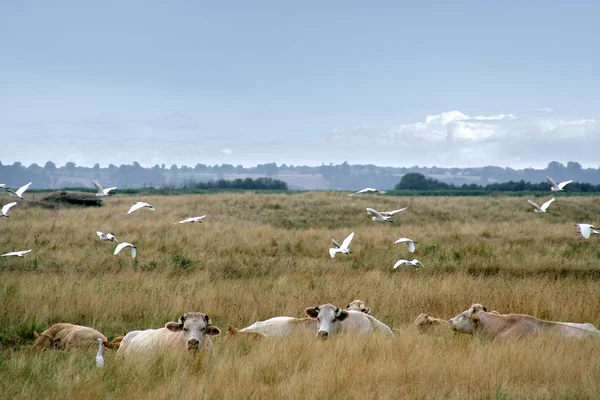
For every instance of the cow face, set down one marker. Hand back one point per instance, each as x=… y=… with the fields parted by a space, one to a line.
x=43 y=341
x=463 y=322
x=358 y=305
x=328 y=319
x=194 y=326
x=424 y=322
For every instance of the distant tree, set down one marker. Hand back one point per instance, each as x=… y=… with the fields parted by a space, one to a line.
x=574 y=166
x=17 y=164
x=200 y=167
x=112 y=167
x=173 y=168
x=34 y=167
x=49 y=166
x=96 y=167
x=412 y=181
x=136 y=164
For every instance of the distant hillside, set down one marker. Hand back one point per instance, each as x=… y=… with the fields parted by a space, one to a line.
x=335 y=177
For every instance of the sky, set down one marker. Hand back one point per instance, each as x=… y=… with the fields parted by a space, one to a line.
x=429 y=83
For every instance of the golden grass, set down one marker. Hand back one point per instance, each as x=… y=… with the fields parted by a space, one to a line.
x=258 y=256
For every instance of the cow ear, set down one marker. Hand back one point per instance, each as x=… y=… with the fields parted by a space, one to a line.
x=231 y=330
x=174 y=326
x=484 y=308
x=342 y=315
x=182 y=319
x=367 y=310
x=212 y=330
x=207 y=319
x=312 y=312
x=475 y=320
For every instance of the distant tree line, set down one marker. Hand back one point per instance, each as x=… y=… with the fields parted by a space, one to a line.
x=245 y=184
x=416 y=181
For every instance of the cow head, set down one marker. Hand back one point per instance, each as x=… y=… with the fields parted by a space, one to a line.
x=43 y=341
x=358 y=305
x=463 y=322
x=194 y=326
x=328 y=317
x=424 y=322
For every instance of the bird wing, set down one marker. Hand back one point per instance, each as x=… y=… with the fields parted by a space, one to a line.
x=411 y=246
x=136 y=206
x=534 y=204
x=108 y=190
x=375 y=213
x=547 y=204
x=585 y=230
x=185 y=221
x=133 y=252
x=2 y=185
x=390 y=213
x=98 y=186
x=402 y=240
x=7 y=207
x=121 y=246
x=12 y=253
x=335 y=243
x=399 y=263
x=415 y=262
x=563 y=184
x=332 y=252
x=346 y=242
x=380 y=191
x=551 y=181
x=22 y=189
x=100 y=234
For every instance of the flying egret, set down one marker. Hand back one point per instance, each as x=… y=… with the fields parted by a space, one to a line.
x=542 y=209
x=16 y=253
x=415 y=263
x=369 y=190
x=409 y=242
x=121 y=246
x=103 y=192
x=5 y=208
x=343 y=248
x=587 y=229
x=99 y=358
x=377 y=216
x=19 y=192
x=557 y=187
x=138 y=205
x=391 y=213
x=107 y=236
x=192 y=219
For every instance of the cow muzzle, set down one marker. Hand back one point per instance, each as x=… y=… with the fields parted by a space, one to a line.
x=193 y=345
x=322 y=335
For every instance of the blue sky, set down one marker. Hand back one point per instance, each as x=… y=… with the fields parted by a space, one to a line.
x=397 y=83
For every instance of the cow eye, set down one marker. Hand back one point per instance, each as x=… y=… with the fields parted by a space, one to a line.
x=185 y=329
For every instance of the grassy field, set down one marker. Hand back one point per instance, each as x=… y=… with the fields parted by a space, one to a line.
x=263 y=255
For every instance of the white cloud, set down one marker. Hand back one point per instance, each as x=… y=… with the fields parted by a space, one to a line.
x=227 y=152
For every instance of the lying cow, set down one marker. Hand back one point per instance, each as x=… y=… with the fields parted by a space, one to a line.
x=282 y=327
x=65 y=336
x=424 y=322
x=191 y=332
x=331 y=320
x=477 y=321
x=358 y=305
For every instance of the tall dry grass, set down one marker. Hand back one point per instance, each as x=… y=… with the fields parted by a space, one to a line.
x=257 y=256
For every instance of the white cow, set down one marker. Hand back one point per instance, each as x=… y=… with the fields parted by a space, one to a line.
x=191 y=332
x=331 y=320
x=283 y=326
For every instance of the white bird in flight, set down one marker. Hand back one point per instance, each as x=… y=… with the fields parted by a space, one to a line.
x=369 y=190
x=542 y=209
x=391 y=213
x=557 y=187
x=16 y=253
x=344 y=248
x=587 y=230
x=103 y=192
x=138 y=205
x=5 y=208
x=409 y=242
x=19 y=192
x=106 y=236
x=377 y=216
x=99 y=358
x=121 y=246
x=192 y=219
x=415 y=263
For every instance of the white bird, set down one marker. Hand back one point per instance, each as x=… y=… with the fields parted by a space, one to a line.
x=107 y=236
x=409 y=242
x=19 y=192
x=390 y=213
x=103 y=192
x=586 y=230
x=542 y=209
x=138 y=205
x=369 y=190
x=377 y=216
x=415 y=263
x=192 y=219
x=5 y=208
x=121 y=246
x=99 y=358
x=557 y=187
x=2 y=185
x=16 y=253
x=344 y=248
